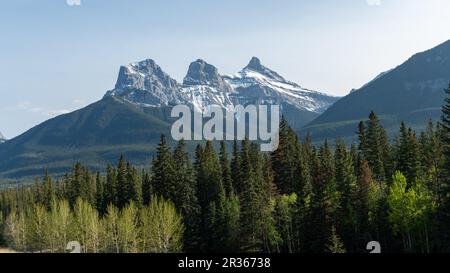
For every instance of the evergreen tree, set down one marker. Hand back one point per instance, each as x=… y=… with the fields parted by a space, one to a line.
x=335 y=245
x=147 y=188
x=362 y=139
x=444 y=210
x=226 y=169
x=346 y=186
x=364 y=188
x=236 y=169
x=408 y=154
x=75 y=183
x=323 y=201
x=111 y=186
x=285 y=159
x=377 y=148
x=122 y=183
x=100 y=195
x=251 y=239
x=48 y=190
x=134 y=183
x=210 y=191
x=163 y=171
x=185 y=197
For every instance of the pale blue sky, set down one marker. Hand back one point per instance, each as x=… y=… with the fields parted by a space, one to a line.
x=56 y=58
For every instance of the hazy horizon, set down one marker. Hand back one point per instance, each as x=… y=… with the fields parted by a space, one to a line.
x=57 y=58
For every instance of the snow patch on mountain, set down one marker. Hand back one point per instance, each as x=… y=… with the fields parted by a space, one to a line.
x=275 y=88
x=145 y=84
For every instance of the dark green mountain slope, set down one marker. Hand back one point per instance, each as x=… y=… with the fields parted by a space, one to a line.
x=412 y=92
x=94 y=135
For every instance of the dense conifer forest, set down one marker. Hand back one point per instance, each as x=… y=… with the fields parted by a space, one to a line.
x=300 y=198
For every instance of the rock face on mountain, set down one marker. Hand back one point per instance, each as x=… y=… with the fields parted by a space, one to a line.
x=145 y=84
x=203 y=86
x=202 y=73
x=412 y=92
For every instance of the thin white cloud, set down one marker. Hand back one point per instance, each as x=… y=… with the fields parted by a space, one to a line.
x=374 y=2
x=73 y=2
x=55 y=113
x=26 y=106
x=78 y=102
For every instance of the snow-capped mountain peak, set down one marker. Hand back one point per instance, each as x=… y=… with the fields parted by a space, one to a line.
x=265 y=85
x=255 y=66
x=146 y=84
x=203 y=86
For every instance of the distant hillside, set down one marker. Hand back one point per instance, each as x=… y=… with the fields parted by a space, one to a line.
x=412 y=92
x=95 y=135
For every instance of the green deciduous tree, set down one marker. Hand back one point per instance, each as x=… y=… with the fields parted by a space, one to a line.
x=163 y=227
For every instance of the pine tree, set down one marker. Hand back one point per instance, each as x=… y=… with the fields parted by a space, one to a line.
x=236 y=169
x=48 y=190
x=444 y=210
x=323 y=201
x=185 y=195
x=75 y=183
x=147 y=188
x=251 y=239
x=362 y=139
x=335 y=245
x=377 y=148
x=88 y=187
x=446 y=130
x=38 y=194
x=346 y=185
x=285 y=159
x=408 y=154
x=163 y=171
x=100 y=203
x=134 y=184
x=365 y=184
x=210 y=190
x=111 y=186
x=122 y=184
x=226 y=169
